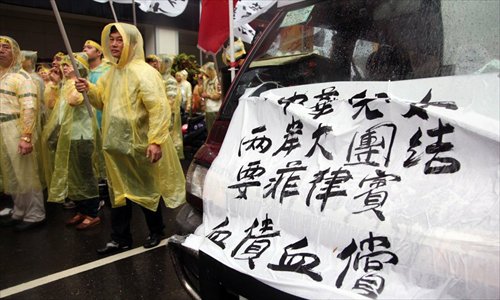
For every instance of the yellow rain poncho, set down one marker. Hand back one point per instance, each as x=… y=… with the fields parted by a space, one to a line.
x=186 y=90
x=18 y=117
x=174 y=97
x=71 y=140
x=28 y=64
x=52 y=89
x=136 y=113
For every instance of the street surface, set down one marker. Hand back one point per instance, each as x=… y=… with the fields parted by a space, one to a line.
x=58 y=262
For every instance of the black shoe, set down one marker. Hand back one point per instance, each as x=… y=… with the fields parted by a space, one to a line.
x=113 y=247
x=9 y=222
x=23 y=225
x=152 y=241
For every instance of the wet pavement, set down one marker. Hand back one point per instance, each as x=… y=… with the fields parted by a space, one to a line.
x=32 y=262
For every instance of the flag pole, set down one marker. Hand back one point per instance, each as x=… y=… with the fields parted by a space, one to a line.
x=70 y=53
x=231 y=40
x=113 y=10
x=133 y=12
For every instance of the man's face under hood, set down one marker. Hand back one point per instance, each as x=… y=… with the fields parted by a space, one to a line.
x=116 y=44
x=6 y=54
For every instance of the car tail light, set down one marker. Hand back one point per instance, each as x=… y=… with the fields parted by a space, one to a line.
x=195 y=178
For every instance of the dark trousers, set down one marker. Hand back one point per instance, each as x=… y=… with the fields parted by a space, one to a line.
x=120 y=222
x=89 y=207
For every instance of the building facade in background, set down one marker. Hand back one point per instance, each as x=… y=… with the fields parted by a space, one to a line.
x=33 y=25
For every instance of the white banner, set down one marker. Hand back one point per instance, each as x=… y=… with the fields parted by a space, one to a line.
x=171 y=8
x=362 y=189
x=245 y=32
x=245 y=12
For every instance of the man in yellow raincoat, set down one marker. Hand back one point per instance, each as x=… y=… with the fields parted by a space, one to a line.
x=70 y=141
x=163 y=64
x=141 y=163
x=186 y=90
x=18 y=119
x=52 y=87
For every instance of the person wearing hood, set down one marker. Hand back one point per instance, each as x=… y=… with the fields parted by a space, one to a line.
x=70 y=150
x=211 y=94
x=51 y=94
x=166 y=62
x=153 y=61
x=174 y=98
x=186 y=90
x=141 y=163
x=43 y=72
x=18 y=121
x=28 y=64
x=52 y=87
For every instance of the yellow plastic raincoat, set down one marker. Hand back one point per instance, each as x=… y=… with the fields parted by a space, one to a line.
x=50 y=95
x=136 y=113
x=18 y=117
x=71 y=139
x=32 y=57
x=174 y=97
x=186 y=90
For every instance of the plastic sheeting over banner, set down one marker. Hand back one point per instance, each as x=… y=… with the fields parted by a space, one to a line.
x=362 y=189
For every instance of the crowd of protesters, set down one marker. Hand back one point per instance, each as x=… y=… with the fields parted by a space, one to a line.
x=107 y=114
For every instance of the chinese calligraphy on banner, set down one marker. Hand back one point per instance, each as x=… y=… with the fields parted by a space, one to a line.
x=361 y=189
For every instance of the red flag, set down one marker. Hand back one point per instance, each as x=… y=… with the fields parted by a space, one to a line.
x=214 y=25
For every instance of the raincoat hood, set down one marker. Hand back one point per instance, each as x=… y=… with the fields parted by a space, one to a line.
x=44 y=68
x=82 y=63
x=166 y=62
x=31 y=55
x=153 y=57
x=15 y=65
x=59 y=55
x=132 y=44
x=184 y=74
x=210 y=70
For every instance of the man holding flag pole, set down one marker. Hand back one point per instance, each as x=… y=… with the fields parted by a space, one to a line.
x=141 y=164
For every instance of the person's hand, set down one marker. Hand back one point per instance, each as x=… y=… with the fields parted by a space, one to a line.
x=153 y=153
x=82 y=85
x=55 y=75
x=204 y=95
x=24 y=148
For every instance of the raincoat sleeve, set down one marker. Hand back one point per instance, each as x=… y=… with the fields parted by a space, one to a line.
x=28 y=103
x=74 y=97
x=50 y=95
x=96 y=91
x=156 y=103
